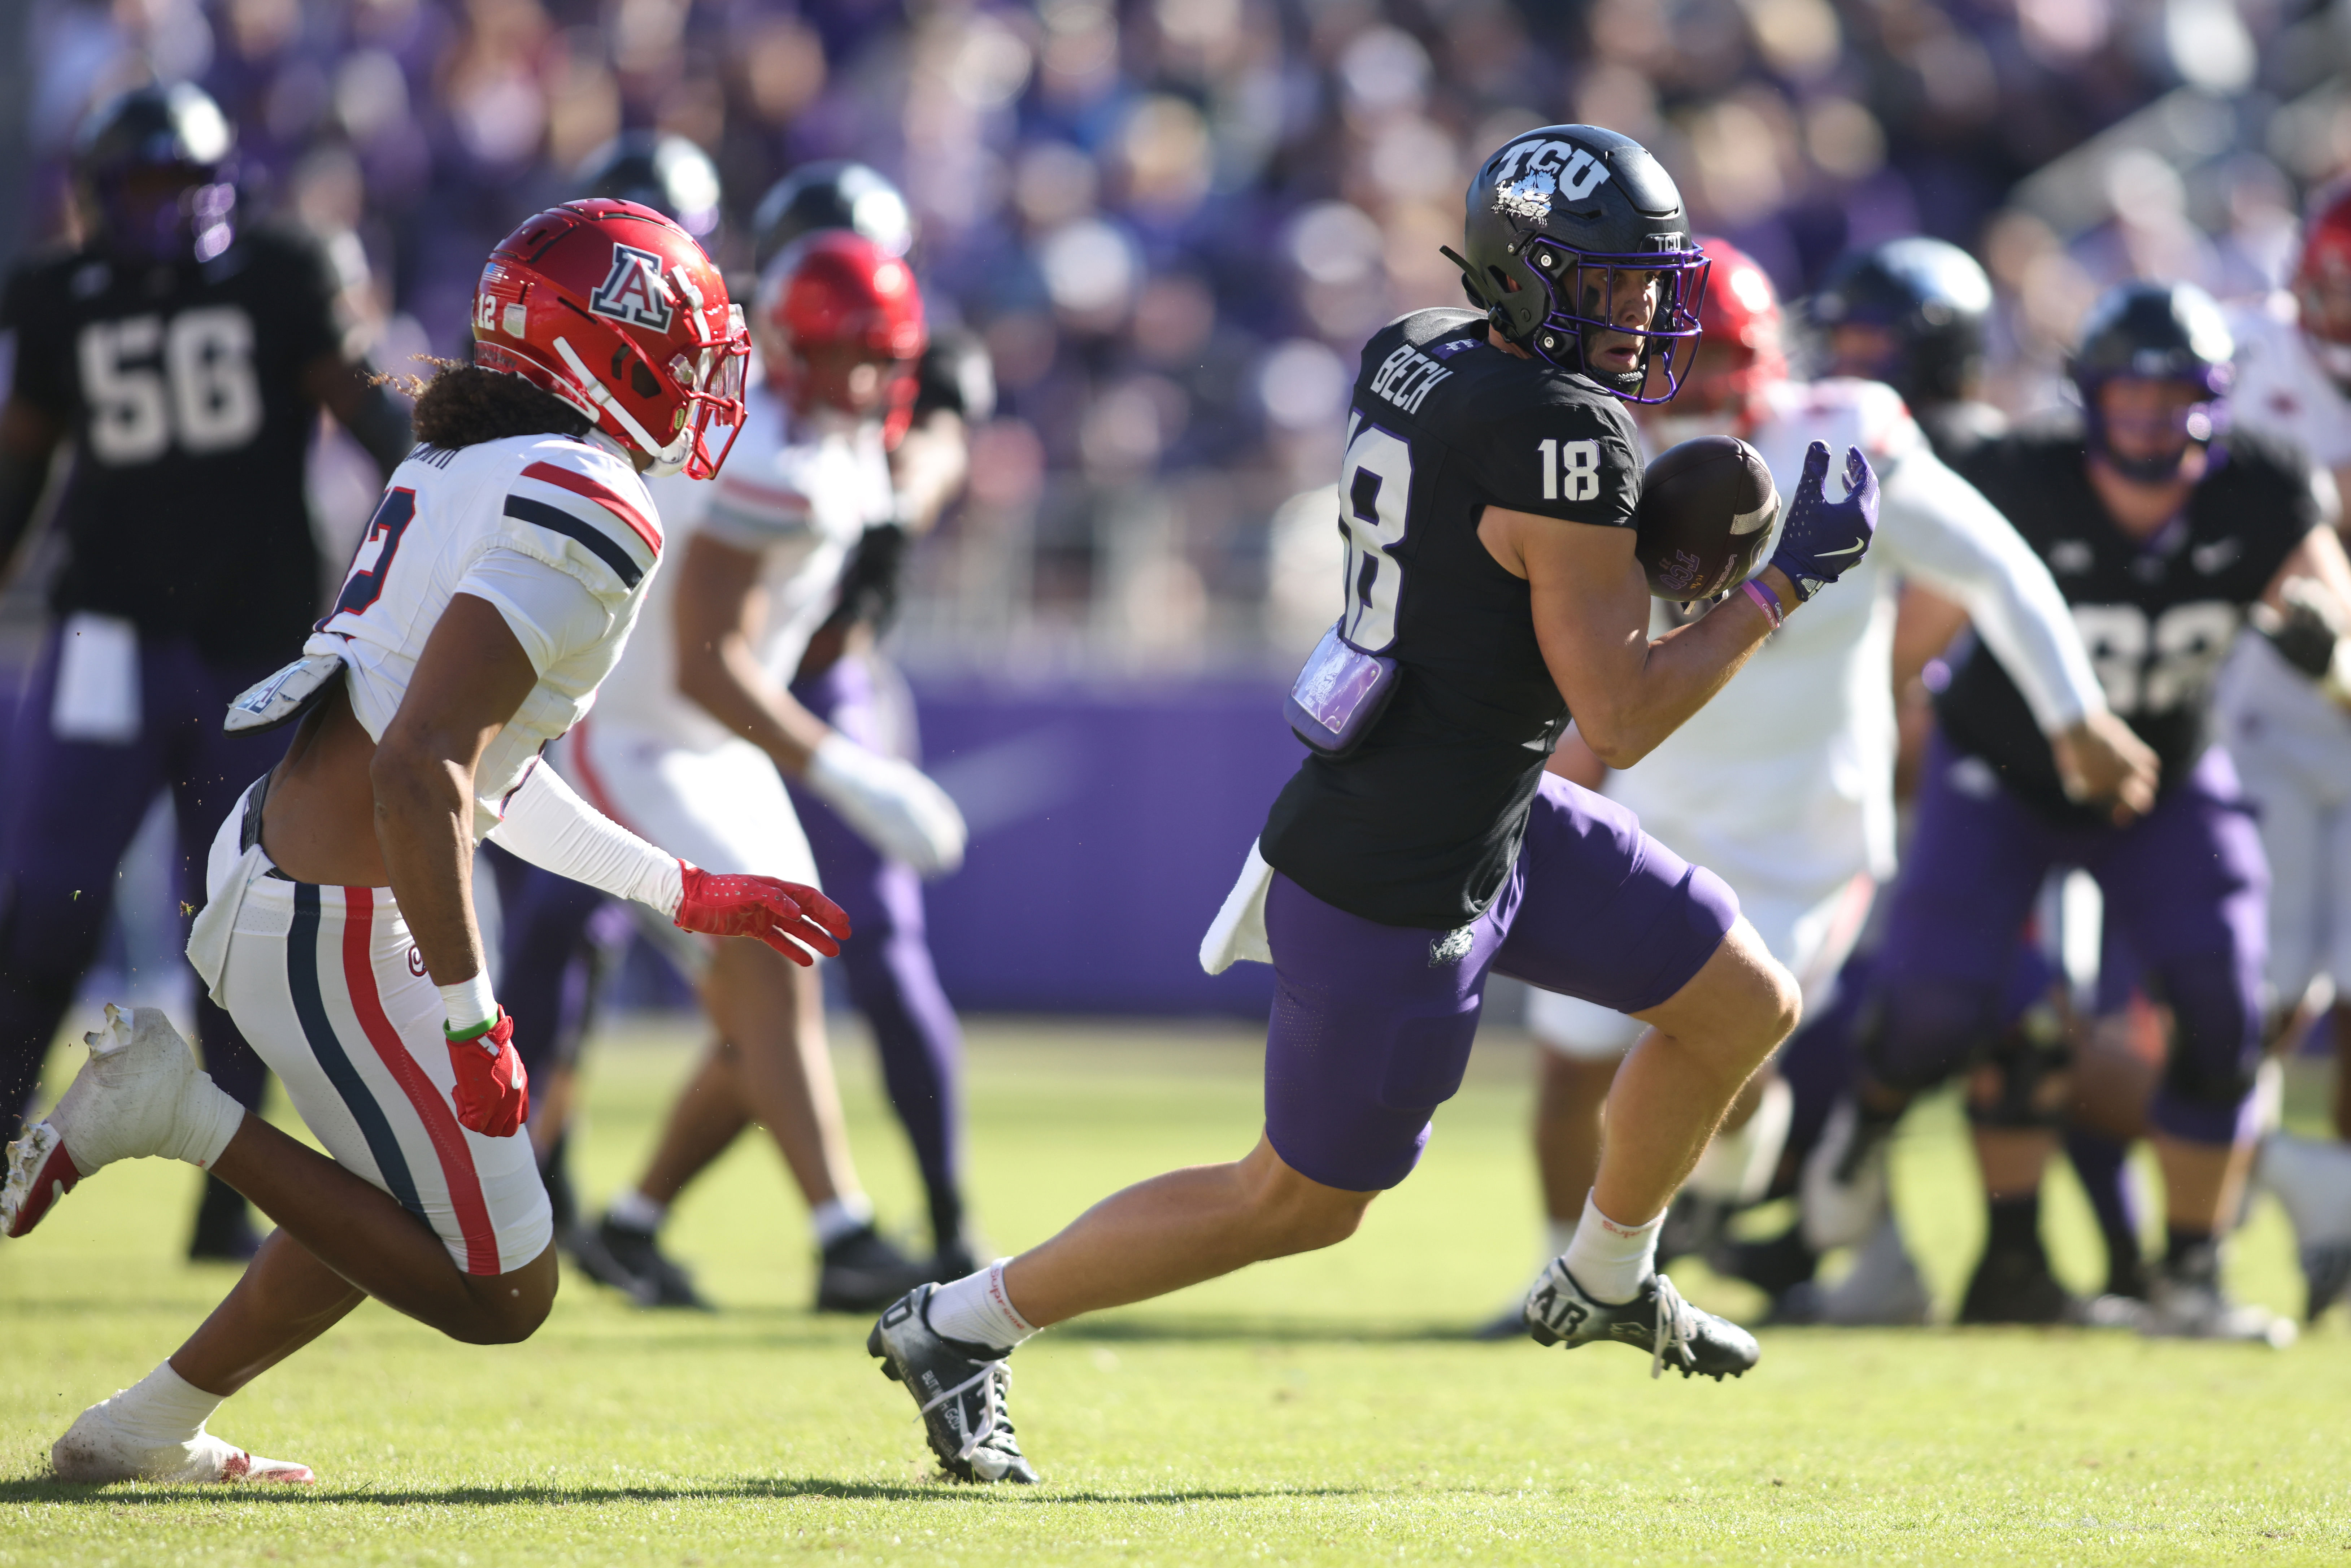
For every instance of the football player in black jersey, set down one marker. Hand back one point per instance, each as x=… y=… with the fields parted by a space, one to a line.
x=2163 y=529
x=1486 y=492
x=184 y=355
x=1912 y=313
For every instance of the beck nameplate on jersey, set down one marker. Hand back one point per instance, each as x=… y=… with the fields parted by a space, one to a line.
x=1339 y=695
x=284 y=696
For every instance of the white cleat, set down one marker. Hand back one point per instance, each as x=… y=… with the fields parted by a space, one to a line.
x=140 y=1095
x=2312 y=1183
x=95 y=1452
x=2195 y=1309
x=1842 y=1188
x=1884 y=1287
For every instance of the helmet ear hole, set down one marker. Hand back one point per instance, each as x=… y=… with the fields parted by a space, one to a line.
x=645 y=383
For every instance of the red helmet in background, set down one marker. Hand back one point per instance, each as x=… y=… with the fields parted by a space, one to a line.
x=616 y=310
x=2322 y=279
x=1741 y=346
x=835 y=286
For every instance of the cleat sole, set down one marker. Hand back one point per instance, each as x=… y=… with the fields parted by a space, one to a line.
x=39 y=1172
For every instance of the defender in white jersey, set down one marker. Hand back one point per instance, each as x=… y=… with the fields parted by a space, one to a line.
x=1786 y=789
x=495 y=588
x=690 y=734
x=2291 y=739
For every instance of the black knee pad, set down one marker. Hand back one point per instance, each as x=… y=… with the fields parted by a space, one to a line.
x=1913 y=1034
x=2018 y=1083
x=2216 y=1029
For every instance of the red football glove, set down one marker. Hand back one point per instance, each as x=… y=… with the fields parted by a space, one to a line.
x=493 y=1092
x=783 y=915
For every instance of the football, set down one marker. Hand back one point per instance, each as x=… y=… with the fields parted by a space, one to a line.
x=1707 y=507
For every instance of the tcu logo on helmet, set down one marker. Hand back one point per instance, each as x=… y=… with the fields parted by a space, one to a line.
x=1528 y=173
x=633 y=290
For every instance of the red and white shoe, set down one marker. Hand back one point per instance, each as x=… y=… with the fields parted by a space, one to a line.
x=140 y=1095
x=95 y=1450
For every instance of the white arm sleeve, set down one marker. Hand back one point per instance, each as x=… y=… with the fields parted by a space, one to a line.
x=1938 y=529
x=550 y=612
x=548 y=825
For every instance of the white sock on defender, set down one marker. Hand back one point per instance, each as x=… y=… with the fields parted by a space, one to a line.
x=161 y=1408
x=837 y=1216
x=1611 y=1262
x=635 y=1211
x=975 y=1310
x=1558 y=1236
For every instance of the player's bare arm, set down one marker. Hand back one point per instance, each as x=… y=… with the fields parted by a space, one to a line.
x=720 y=611
x=1592 y=607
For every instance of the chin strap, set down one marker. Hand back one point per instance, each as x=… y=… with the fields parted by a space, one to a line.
x=666 y=458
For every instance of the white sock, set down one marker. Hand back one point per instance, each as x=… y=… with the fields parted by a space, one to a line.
x=162 y=1409
x=837 y=1216
x=1609 y=1260
x=634 y=1210
x=1558 y=1234
x=975 y=1310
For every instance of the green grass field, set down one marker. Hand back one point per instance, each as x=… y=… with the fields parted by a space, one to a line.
x=1320 y=1410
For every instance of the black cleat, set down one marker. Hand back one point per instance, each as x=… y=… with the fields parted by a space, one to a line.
x=1658 y=1321
x=631 y=1260
x=1692 y=1227
x=961 y=1390
x=225 y=1230
x=1774 y=1266
x=2326 y=1271
x=2013 y=1285
x=862 y=1272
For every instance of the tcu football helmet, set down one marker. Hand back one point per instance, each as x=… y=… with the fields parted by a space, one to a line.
x=1744 y=348
x=1930 y=297
x=653 y=168
x=2322 y=280
x=839 y=287
x=2154 y=331
x=153 y=167
x=831 y=194
x=616 y=310
x=1557 y=219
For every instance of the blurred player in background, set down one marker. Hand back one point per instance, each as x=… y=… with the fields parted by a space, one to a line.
x=1489 y=486
x=2162 y=528
x=1786 y=790
x=492 y=594
x=1910 y=314
x=185 y=353
x=697 y=731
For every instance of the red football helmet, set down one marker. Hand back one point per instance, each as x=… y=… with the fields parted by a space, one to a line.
x=835 y=286
x=1740 y=346
x=616 y=310
x=2322 y=279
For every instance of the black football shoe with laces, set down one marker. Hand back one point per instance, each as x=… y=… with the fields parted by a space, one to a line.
x=1675 y=1333
x=2013 y=1285
x=960 y=1389
x=631 y=1260
x=862 y=1272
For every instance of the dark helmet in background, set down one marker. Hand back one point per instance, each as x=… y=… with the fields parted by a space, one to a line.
x=1930 y=304
x=1555 y=201
x=2154 y=331
x=831 y=194
x=154 y=168
x=667 y=173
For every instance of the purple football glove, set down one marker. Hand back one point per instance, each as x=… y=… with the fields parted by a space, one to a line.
x=1822 y=539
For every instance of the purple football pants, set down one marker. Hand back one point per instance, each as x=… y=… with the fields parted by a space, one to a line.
x=2185 y=889
x=887 y=961
x=68 y=810
x=1372 y=1024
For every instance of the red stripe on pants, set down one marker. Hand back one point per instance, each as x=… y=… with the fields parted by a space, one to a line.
x=440 y=1121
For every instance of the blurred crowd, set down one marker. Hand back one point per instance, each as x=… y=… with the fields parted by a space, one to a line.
x=1173 y=222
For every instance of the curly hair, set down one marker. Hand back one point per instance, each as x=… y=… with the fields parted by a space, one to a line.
x=463 y=405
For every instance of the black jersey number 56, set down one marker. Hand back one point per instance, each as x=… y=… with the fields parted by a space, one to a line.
x=149 y=382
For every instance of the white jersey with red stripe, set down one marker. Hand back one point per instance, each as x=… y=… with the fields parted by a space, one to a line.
x=2281 y=390
x=798 y=493
x=557 y=533
x=1785 y=782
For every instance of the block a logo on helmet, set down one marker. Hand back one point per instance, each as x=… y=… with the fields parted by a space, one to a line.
x=615 y=310
x=1561 y=223
x=627 y=293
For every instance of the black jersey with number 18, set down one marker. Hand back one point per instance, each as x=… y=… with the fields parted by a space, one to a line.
x=1420 y=825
